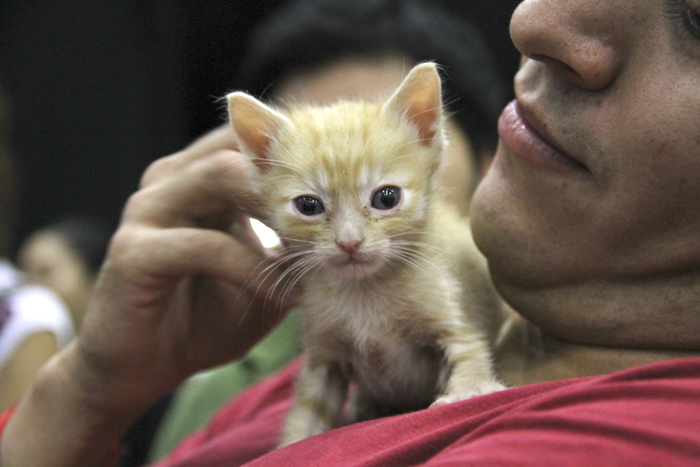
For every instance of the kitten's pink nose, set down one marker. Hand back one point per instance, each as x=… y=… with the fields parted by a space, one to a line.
x=349 y=246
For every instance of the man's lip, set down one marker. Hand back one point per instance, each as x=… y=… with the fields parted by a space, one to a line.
x=529 y=145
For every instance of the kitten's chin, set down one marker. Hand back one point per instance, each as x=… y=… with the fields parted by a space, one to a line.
x=354 y=268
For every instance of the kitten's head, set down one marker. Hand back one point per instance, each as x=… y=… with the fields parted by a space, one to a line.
x=349 y=186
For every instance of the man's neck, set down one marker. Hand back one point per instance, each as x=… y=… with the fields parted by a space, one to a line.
x=526 y=355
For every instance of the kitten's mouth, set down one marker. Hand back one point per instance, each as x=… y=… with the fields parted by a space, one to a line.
x=355 y=266
x=352 y=261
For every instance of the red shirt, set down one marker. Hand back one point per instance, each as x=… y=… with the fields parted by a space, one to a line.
x=644 y=416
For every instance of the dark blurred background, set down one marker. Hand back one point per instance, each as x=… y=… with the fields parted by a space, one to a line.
x=98 y=90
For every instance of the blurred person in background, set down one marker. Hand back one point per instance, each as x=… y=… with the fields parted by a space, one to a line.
x=34 y=323
x=66 y=256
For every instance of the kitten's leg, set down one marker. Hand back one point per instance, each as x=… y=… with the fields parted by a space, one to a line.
x=361 y=407
x=318 y=402
x=471 y=369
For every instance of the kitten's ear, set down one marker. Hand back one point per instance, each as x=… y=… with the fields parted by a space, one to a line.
x=256 y=125
x=419 y=99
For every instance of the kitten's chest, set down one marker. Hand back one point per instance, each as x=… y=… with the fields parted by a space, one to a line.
x=405 y=311
x=356 y=318
x=378 y=343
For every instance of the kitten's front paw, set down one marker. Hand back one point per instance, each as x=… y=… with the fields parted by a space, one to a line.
x=298 y=428
x=485 y=387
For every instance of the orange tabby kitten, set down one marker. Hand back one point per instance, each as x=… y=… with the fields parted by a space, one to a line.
x=396 y=299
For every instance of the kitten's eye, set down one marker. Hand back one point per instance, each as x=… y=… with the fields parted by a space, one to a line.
x=386 y=198
x=309 y=206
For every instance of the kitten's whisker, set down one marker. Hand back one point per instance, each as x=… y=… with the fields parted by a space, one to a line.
x=422 y=250
x=421 y=247
x=413 y=233
x=302 y=271
x=411 y=238
x=424 y=256
x=421 y=261
x=262 y=277
x=293 y=274
x=296 y=240
x=290 y=272
x=414 y=255
x=408 y=261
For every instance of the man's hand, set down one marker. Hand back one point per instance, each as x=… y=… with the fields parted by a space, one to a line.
x=185 y=286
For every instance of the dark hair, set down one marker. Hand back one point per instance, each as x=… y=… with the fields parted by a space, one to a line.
x=304 y=34
x=87 y=236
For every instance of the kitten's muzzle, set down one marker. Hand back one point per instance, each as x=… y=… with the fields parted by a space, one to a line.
x=349 y=246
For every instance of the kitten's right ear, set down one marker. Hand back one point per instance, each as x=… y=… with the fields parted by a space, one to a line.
x=256 y=125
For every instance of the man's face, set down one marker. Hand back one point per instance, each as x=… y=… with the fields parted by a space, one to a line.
x=591 y=210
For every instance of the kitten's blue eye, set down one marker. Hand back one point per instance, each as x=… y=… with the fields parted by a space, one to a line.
x=386 y=198
x=309 y=206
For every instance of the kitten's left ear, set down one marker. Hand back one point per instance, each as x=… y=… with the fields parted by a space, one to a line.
x=419 y=99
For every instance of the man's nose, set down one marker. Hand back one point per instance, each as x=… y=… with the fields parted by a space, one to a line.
x=579 y=39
